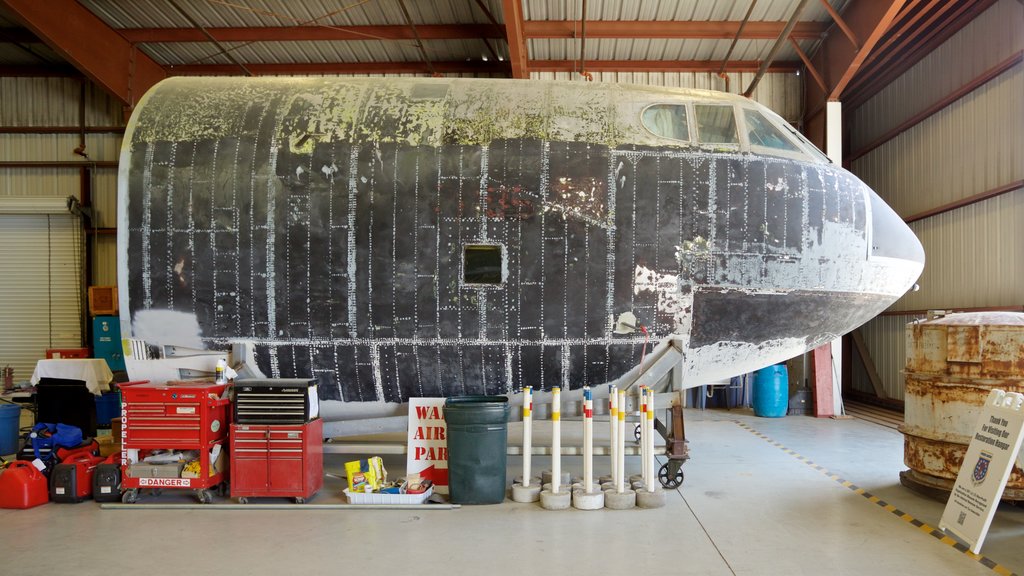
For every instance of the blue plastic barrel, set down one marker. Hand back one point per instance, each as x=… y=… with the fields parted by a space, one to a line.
x=108 y=407
x=10 y=416
x=771 y=391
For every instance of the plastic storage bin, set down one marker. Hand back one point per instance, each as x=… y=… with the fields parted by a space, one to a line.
x=771 y=391
x=477 y=447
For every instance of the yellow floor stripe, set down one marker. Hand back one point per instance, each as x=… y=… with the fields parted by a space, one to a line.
x=938 y=535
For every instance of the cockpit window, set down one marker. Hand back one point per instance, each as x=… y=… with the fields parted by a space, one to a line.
x=716 y=124
x=761 y=132
x=667 y=121
x=811 y=148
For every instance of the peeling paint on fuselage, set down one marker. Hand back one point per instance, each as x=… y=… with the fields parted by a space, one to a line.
x=327 y=218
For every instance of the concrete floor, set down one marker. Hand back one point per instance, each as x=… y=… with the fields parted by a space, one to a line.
x=747 y=506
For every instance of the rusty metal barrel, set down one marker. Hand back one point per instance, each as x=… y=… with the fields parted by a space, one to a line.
x=952 y=364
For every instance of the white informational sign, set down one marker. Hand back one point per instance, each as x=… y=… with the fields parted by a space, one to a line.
x=985 y=469
x=428 y=442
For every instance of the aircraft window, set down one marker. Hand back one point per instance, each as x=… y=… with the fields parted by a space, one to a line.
x=667 y=121
x=762 y=132
x=716 y=124
x=807 y=143
x=482 y=264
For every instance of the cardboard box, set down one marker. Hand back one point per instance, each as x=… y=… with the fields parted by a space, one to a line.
x=108 y=445
x=102 y=300
x=143 y=470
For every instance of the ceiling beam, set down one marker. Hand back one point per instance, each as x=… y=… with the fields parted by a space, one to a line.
x=91 y=46
x=301 y=68
x=314 y=33
x=659 y=65
x=869 y=21
x=838 y=59
x=517 y=50
x=665 y=29
x=878 y=74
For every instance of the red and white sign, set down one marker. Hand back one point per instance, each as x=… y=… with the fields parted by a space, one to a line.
x=428 y=442
x=166 y=482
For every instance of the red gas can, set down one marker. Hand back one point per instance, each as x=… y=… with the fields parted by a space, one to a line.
x=22 y=486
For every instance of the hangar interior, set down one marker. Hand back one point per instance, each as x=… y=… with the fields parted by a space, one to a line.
x=921 y=100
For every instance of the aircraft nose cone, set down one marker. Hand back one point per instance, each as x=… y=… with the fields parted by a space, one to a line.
x=891 y=237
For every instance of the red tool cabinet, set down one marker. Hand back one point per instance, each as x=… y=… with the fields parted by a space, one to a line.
x=178 y=415
x=283 y=460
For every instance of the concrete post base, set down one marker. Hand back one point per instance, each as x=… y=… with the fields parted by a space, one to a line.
x=545 y=478
x=625 y=500
x=605 y=478
x=534 y=480
x=551 y=501
x=645 y=499
x=582 y=500
x=636 y=478
x=523 y=494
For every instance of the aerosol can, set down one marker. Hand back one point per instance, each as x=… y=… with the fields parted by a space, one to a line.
x=221 y=370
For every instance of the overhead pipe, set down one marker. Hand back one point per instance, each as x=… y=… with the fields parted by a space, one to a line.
x=776 y=47
x=735 y=39
x=583 y=43
x=419 y=42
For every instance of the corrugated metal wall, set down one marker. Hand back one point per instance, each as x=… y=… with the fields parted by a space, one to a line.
x=975 y=254
x=55 y=102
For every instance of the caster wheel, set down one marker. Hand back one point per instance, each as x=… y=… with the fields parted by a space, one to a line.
x=243 y=500
x=300 y=500
x=636 y=432
x=130 y=496
x=204 y=496
x=670 y=475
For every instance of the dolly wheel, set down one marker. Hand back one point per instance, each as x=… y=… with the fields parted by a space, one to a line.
x=130 y=496
x=670 y=478
x=300 y=500
x=243 y=500
x=204 y=496
x=636 y=432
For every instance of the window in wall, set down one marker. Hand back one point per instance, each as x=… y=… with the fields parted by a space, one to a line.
x=482 y=264
x=667 y=121
x=716 y=124
x=762 y=132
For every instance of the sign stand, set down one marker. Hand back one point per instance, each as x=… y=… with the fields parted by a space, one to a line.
x=428 y=442
x=986 y=468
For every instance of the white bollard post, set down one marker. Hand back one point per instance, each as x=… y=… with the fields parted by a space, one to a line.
x=586 y=497
x=650 y=441
x=555 y=499
x=588 y=440
x=643 y=437
x=651 y=496
x=620 y=472
x=556 y=439
x=613 y=411
x=527 y=434
x=620 y=498
x=527 y=490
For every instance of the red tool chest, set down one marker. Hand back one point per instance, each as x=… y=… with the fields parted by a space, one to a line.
x=178 y=415
x=283 y=460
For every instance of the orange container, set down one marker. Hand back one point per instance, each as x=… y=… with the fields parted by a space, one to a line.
x=22 y=486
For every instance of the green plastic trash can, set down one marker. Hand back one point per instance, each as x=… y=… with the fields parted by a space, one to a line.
x=477 y=448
